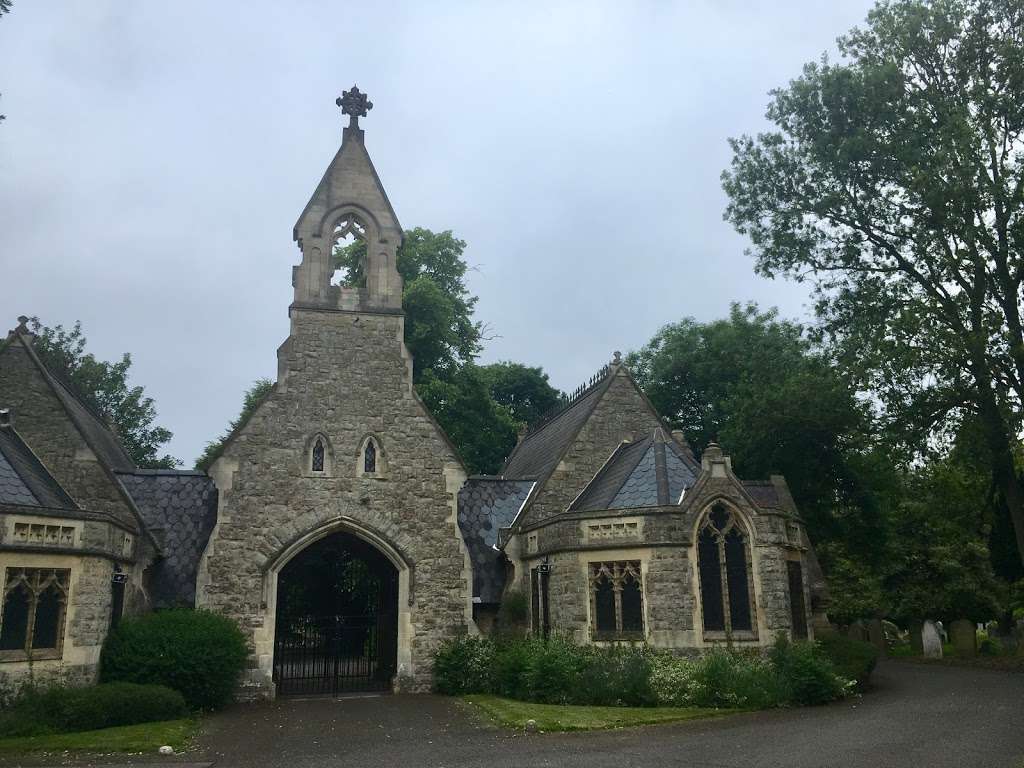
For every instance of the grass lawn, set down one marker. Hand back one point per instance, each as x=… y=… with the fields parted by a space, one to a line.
x=147 y=737
x=558 y=717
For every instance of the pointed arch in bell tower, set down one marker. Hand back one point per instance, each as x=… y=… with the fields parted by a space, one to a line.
x=349 y=202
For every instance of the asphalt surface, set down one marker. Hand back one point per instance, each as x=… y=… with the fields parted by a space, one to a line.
x=917 y=716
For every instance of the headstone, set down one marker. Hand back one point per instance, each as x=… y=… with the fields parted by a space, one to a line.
x=965 y=638
x=857 y=631
x=914 y=630
x=931 y=640
x=877 y=635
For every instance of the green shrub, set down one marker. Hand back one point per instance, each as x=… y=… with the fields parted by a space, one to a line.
x=464 y=665
x=553 y=670
x=64 y=710
x=990 y=646
x=672 y=679
x=732 y=679
x=852 y=659
x=198 y=653
x=806 y=673
x=511 y=669
x=514 y=609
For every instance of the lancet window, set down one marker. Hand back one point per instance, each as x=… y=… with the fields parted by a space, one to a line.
x=723 y=561
x=616 y=596
x=34 y=608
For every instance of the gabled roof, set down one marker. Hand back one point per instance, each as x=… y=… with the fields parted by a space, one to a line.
x=543 y=447
x=486 y=505
x=23 y=478
x=179 y=508
x=653 y=471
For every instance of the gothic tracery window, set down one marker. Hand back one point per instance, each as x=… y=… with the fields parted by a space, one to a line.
x=616 y=596
x=34 y=609
x=318 y=455
x=723 y=564
x=370 y=458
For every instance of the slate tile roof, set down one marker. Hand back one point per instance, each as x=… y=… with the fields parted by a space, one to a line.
x=762 y=492
x=179 y=508
x=653 y=471
x=487 y=504
x=540 y=450
x=23 y=478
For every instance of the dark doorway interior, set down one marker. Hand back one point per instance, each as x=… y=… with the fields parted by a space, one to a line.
x=337 y=619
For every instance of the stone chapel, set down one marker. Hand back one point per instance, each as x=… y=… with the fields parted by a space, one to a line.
x=338 y=525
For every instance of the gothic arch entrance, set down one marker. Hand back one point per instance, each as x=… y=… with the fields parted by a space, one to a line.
x=336 y=627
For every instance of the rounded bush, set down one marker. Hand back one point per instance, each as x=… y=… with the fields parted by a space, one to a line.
x=852 y=659
x=197 y=653
x=807 y=673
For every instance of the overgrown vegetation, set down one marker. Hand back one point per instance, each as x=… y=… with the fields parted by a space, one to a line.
x=556 y=671
x=61 y=709
x=197 y=653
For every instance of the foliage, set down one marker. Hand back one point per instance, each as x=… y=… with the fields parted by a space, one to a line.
x=514 y=609
x=255 y=395
x=198 y=653
x=523 y=391
x=464 y=665
x=756 y=384
x=136 y=739
x=482 y=431
x=104 y=387
x=894 y=182
x=808 y=674
x=439 y=328
x=574 y=717
x=557 y=671
x=61 y=710
x=852 y=659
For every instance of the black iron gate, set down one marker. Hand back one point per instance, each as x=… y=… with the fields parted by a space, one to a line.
x=335 y=654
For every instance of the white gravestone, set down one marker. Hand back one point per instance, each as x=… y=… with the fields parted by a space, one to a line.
x=931 y=640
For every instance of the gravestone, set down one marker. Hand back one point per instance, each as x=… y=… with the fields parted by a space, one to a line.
x=914 y=630
x=965 y=638
x=857 y=631
x=931 y=640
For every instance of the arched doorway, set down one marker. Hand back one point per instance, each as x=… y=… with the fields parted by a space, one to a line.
x=337 y=619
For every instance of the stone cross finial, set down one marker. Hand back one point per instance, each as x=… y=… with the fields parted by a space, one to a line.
x=616 y=358
x=355 y=104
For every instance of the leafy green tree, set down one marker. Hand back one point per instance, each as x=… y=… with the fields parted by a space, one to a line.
x=523 y=390
x=440 y=331
x=104 y=386
x=755 y=383
x=255 y=395
x=894 y=182
x=483 y=431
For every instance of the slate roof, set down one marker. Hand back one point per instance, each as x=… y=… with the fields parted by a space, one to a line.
x=762 y=492
x=650 y=472
x=541 y=449
x=487 y=504
x=179 y=508
x=23 y=478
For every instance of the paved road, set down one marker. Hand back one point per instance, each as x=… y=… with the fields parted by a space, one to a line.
x=919 y=716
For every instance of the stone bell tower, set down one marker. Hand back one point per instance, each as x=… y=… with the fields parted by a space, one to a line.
x=349 y=200
x=341 y=452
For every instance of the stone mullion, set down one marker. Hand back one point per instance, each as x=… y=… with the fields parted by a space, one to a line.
x=617 y=579
x=723 y=583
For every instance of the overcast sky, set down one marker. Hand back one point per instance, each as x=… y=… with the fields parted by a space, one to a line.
x=156 y=155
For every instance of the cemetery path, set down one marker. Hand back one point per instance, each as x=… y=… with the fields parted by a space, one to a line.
x=916 y=716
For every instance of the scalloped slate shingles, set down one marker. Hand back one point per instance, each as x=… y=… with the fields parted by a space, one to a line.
x=180 y=509
x=487 y=504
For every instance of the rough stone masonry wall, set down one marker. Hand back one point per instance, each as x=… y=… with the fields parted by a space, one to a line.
x=347 y=375
x=620 y=414
x=40 y=418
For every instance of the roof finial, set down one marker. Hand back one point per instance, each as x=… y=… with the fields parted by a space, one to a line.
x=355 y=104
x=616 y=357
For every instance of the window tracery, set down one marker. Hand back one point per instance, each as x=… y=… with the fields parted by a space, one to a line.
x=616 y=594
x=723 y=562
x=34 y=610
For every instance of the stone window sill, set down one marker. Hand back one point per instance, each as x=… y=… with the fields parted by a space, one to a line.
x=40 y=655
x=618 y=637
x=739 y=637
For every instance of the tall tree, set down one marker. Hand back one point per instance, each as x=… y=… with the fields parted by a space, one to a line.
x=523 y=390
x=895 y=183
x=756 y=384
x=440 y=331
x=255 y=395
x=104 y=386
